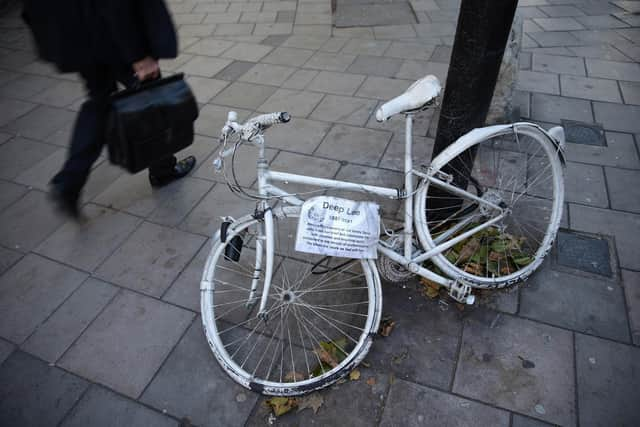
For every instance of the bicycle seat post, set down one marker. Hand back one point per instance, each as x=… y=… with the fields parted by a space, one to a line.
x=408 y=186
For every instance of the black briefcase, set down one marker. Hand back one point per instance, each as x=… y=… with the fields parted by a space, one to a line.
x=150 y=121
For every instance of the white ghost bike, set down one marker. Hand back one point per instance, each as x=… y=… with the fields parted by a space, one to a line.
x=482 y=214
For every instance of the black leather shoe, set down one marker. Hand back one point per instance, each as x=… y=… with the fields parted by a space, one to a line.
x=181 y=169
x=65 y=203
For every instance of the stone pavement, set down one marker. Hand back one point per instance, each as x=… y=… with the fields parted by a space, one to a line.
x=99 y=322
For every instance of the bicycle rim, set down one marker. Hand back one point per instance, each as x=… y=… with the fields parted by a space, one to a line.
x=516 y=167
x=319 y=326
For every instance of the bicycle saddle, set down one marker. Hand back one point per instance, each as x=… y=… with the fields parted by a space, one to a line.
x=416 y=97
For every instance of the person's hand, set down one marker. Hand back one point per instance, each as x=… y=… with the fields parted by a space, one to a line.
x=146 y=68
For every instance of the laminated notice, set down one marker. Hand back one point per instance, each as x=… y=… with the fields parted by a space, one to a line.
x=338 y=227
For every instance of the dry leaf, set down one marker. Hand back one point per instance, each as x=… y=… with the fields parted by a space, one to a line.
x=326 y=357
x=281 y=405
x=468 y=250
x=371 y=381
x=386 y=326
x=431 y=288
x=312 y=401
x=354 y=375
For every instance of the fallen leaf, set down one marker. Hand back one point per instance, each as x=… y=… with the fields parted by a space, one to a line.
x=371 y=381
x=431 y=288
x=386 y=326
x=281 y=405
x=312 y=401
x=468 y=250
x=354 y=375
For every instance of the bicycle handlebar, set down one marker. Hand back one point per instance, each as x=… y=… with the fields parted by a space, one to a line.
x=252 y=126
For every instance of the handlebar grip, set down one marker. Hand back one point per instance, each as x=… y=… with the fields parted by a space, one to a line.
x=266 y=120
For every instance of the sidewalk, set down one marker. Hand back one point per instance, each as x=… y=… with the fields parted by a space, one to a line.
x=99 y=323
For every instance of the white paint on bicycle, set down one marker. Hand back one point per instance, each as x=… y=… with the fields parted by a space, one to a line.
x=338 y=227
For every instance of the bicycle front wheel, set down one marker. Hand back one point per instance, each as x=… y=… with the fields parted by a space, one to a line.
x=516 y=167
x=320 y=315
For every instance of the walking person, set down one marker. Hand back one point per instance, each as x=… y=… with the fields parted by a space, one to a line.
x=106 y=42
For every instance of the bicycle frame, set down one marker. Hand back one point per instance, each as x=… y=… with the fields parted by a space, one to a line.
x=406 y=257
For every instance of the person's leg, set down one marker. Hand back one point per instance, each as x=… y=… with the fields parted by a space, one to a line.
x=87 y=139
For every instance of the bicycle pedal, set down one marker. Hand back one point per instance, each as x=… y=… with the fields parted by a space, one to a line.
x=461 y=292
x=233 y=249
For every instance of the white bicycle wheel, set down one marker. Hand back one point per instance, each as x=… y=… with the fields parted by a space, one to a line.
x=517 y=167
x=322 y=312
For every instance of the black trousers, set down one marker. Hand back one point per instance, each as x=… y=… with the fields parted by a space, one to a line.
x=88 y=136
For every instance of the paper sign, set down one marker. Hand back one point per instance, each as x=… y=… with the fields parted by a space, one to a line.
x=338 y=227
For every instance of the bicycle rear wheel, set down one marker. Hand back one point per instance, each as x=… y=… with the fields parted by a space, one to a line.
x=517 y=167
x=322 y=312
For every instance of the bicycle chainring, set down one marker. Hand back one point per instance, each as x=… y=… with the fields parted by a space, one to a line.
x=390 y=270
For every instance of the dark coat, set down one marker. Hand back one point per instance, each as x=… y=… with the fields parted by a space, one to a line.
x=75 y=34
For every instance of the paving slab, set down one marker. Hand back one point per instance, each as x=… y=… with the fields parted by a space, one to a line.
x=213 y=117
x=150 y=259
x=583 y=304
x=297 y=102
x=86 y=245
x=300 y=79
x=619 y=152
x=623 y=226
x=185 y=290
x=244 y=95
x=204 y=88
x=383 y=88
x=415 y=352
x=54 y=336
x=288 y=56
x=518 y=365
x=330 y=61
x=312 y=166
x=33 y=289
x=267 y=74
x=20 y=154
x=358 y=145
x=613 y=70
x=8 y=258
x=205 y=219
x=590 y=88
x=558 y=24
x=33 y=218
x=617 y=117
x=344 y=109
x=61 y=94
x=376 y=66
x=336 y=83
x=6 y=348
x=127 y=343
x=534 y=81
x=26 y=86
x=607 y=382
x=414 y=70
x=40 y=122
x=406 y=406
x=624 y=191
x=554 y=38
x=521 y=421
x=410 y=50
x=34 y=394
x=630 y=92
x=39 y=175
x=355 y=15
x=192 y=385
x=606 y=52
x=631 y=284
x=10 y=192
x=101 y=407
x=248 y=52
x=552 y=109
x=360 y=403
x=585 y=184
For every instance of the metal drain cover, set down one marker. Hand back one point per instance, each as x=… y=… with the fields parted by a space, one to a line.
x=584 y=133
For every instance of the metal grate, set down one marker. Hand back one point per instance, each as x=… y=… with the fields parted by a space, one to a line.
x=584 y=133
